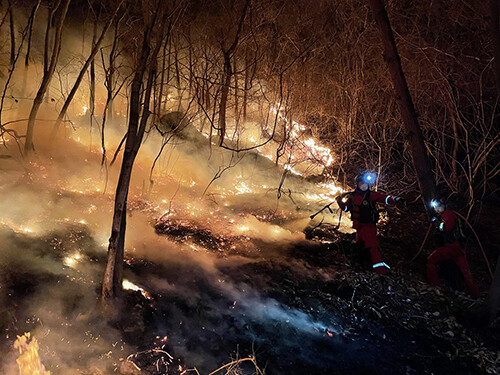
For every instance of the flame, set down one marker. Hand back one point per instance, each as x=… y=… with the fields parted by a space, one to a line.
x=29 y=360
x=72 y=260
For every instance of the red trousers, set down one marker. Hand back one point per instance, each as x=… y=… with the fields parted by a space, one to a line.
x=366 y=234
x=454 y=252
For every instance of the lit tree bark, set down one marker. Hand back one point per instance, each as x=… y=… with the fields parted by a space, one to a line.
x=47 y=75
x=112 y=284
x=403 y=98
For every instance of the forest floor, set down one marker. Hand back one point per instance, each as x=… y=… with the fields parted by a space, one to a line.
x=206 y=296
x=316 y=307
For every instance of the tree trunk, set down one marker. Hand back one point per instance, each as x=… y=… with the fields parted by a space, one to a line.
x=92 y=79
x=95 y=48
x=403 y=98
x=223 y=98
x=31 y=21
x=12 y=34
x=247 y=86
x=112 y=283
x=47 y=76
x=226 y=80
x=495 y=32
x=236 y=91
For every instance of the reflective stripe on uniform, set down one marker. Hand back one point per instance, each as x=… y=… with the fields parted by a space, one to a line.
x=387 y=199
x=441 y=226
x=381 y=264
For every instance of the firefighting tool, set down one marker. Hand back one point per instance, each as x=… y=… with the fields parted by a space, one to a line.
x=345 y=195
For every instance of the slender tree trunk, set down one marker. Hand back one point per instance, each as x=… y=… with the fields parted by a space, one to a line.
x=247 y=85
x=31 y=21
x=167 y=81
x=236 y=91
x=177 y=75
x=223 y=98
x=226 y=79
x=112 y=286
x=47 y=76
x=413 y=131
x=495 y=32
x=12 y=34
x=92 y=78
x=81 y=75
x=112 y=283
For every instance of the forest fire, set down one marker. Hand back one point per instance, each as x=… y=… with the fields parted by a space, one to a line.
x=184 y=187
x=29 y=359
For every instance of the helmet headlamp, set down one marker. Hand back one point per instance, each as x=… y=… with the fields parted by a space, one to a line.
x=369 y=178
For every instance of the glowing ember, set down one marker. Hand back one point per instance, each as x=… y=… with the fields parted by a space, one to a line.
x=72 y=260
x=29 y=360
x=128 y=285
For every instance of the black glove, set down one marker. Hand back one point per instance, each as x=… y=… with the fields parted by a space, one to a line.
x=400 y=200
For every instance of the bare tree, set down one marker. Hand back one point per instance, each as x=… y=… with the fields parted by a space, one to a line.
x=154 y=33
x=96 y=44
x=405 y=102
x=226 y=78
x=49 y=68
x=31 y=21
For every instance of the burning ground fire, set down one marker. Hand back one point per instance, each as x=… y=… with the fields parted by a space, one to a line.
x=235 y=211
x=29 y=361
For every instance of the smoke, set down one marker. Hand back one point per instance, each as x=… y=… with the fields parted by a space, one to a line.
x=56 y=213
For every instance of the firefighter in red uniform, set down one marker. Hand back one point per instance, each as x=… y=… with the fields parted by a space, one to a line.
x=364 y=216
x=448 y=225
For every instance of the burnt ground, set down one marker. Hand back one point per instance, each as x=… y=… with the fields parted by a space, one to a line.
x=315 y=307
x=301 y=307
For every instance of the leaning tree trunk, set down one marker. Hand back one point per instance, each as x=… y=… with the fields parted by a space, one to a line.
x=403 y=98
x=47 y=77
x=112 y=284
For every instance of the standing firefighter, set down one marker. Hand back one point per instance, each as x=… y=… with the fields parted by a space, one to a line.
x=451 y=242
x=364 y=216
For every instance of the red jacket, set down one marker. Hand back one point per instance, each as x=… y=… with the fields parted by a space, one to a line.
x=357 y=201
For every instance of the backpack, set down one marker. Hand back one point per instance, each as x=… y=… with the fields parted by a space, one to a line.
x=368 y=213
x=459 y=233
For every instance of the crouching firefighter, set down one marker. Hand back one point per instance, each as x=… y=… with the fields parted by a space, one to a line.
x=451 y=240
x=364 y=216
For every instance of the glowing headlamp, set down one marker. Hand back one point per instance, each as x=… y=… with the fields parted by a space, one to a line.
x=434 y=203
x=369 y=178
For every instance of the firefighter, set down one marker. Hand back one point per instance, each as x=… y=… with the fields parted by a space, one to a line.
x=451 y=241
x=364 y=216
